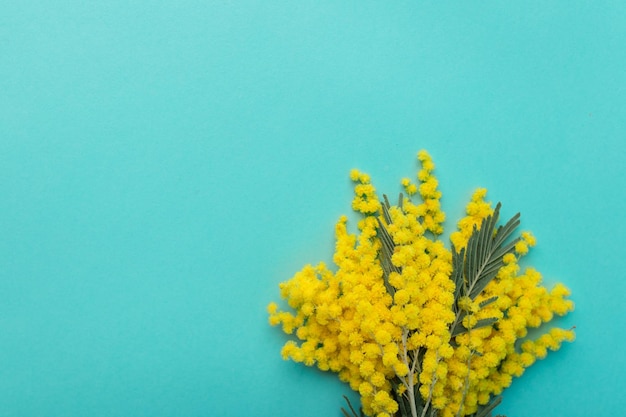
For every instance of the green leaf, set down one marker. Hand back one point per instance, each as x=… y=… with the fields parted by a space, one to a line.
x=457 y=273
x=479 y=324
x=345 y=413
x=485 y=250
x=387 y=247
x=385 y=206
x=474 y=266
x=484 y=323
x=403 y=405
x=486 y=410
x=488 y=301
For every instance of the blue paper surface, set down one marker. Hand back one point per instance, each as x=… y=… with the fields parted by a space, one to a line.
x=163 y=166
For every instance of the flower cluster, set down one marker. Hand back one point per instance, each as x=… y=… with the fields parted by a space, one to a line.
x=392 y=321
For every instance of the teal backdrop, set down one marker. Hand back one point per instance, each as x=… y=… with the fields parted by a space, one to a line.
x=164 y=165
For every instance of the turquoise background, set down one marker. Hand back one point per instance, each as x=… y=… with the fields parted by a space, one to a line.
x=164 y=165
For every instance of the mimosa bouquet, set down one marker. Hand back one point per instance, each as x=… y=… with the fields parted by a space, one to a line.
x=415 y=328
